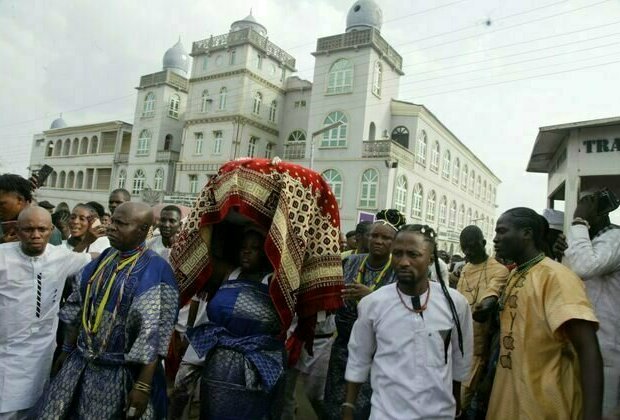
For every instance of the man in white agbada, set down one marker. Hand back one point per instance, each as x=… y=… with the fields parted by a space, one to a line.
x=414 y=337
x=594 y=255
x=32 y=278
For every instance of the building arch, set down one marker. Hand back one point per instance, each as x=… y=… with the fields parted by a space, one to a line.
x=369 y=189
x=400 y=135
x=340 y=77
x=334 y=180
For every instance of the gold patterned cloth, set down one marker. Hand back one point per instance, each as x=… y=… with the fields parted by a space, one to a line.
x=298 y=211
x=538 y=373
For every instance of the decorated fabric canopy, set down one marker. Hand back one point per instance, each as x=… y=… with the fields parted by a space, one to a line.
x=296 y=208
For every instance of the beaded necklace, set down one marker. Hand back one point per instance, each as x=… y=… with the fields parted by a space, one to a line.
x=92 y=315
x=422 y=308
x=362 y=271
x=518 y=274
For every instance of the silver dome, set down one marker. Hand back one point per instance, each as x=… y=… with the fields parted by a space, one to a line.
x=248 y=22
x=176 y=59
x=58 y=123
x=364 y=14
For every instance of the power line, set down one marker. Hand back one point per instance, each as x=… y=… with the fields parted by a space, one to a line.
x=480 y=70
x=520 y=79
x=514 y=26
x=516 y=43
x=70 y=110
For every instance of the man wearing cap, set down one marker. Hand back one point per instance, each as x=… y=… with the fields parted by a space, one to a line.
x=594 y=255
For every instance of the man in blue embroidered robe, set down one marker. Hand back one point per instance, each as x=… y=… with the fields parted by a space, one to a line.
x=122 y=316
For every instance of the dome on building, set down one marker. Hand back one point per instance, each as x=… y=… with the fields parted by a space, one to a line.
x=58 y=123
x=364 y=14
x=176 y=59
x=248 y=22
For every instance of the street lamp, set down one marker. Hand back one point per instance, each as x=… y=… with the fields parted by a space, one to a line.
x=318 y=132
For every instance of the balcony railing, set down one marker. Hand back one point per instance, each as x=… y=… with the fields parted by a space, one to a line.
x=295 y=150
x=369 y=37
x=241 y=37
x=165 y=76
x=167 y=156
x=386 y=149
x=121 y=158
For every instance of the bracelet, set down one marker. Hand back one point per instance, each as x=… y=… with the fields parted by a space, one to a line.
x=68 y=348
x=581 y=221
x=143 y=387
x=347 y=405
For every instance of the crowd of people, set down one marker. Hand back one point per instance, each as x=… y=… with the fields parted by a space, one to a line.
x=95 y=323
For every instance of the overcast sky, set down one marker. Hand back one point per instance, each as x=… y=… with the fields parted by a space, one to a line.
x=492 y=71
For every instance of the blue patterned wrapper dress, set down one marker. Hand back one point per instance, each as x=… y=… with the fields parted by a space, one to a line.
x=244 y=365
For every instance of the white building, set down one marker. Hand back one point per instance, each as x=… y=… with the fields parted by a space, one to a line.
x=241 y=100
x=577 y=156
x=86 y=160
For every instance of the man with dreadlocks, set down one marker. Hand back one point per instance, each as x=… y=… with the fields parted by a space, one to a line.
x=414 y=337
x=550 y=365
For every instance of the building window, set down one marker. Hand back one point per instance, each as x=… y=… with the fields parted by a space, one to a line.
x=144 y=142
x=461 y=222
x=478 y=187
x=443 y=209
x=430 y=206
x=84 y=146
x=435 y=157
x=300 y=104
x=149 y=105
x=259 y=61
x=205 y=63
x=468 y=218
x=456 y=171
x=421 y=146
x=158 y=183
x=297 y=135
x=400 y=198
x=252 y=146
x=193 y=183
x=368 y=193
x=233 y=57
x=223 y=98
x=199 y=143
x=465 y=176
x=205 y=105
x=340 y=77
x=138 y=181
x=173 y=107
x=336 y=137
x=258 y=98
x=122 y=178
x=66 y=147
x=446 y=165
x=401 y=136
x=493 y=196
x=272 y=111
x=472 y=181
x=268 y=150
x=217 y=144
x=418 y=199
x=487 y=192
x=75 y=146
x=334 y=180
x=377 y=79
x=452 y=215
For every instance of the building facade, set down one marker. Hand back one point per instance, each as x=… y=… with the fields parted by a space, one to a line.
x=86 y=160
x=578 y=156
x=240 y=99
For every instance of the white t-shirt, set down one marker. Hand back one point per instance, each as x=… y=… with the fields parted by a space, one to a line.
x=101 y=244
x=30 y=293
x=412 y=358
